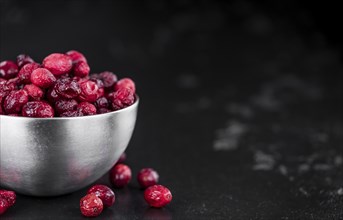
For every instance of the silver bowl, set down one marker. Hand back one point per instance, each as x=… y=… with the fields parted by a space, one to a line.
x=55 y=156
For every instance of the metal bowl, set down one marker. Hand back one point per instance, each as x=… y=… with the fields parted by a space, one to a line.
x=55 y=156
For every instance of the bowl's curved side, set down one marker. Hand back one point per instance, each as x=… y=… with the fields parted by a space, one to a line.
x=54 y=157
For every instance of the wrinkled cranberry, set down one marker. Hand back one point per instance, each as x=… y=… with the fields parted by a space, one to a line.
x=25 y=72
x=57 y=63
x=15 y=100
x=10 y=196
x=34 y=92
x=104 y=193
x=125 y=83
x=72 y=113
x=89 y=91
x=38 y=109
x=102 y=110
x=52 y=95
x=81 y=69
x=65 y=105
x=101 y=102
x=3 y=205
x=86 y=108
x=76 y=56
x=67 y=88
x=120 y=175
x=147 y=177
x=6 y=87
x=42 y=77
x=23 y=59
x=91 y=205
x=122 y=98
x=1 y=109
x=108 y=78
x=8 y=69
x=157 y=196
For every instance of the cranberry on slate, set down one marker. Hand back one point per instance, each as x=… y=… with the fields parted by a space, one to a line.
x=76 y=56
x=25 y=72
x=42 y=77
x=91 y=205
x=67 y=88
x=122 y=98
x=89 y=91
x=147 y=177
x=23 y=59
x=104 y=193
x=10 y=196
x=108 y=78
x=38 y=109
x=8 y=69
x=125 y=83
x=3 y=205
x=157 y=196
x=122 y=158
x=86 y=108
x=120 y=175
x=63 y=105
x=15 y=100
x=58 y=63
x=81 y=69
x=34 y=92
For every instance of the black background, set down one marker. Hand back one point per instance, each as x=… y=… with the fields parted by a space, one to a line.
x=241 y=103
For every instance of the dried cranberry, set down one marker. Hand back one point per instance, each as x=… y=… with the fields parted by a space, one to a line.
x=34 y=92
x=91 y=205
x=89 y=91
x=52 y=95
x=38 y=109
x=125 y=83
x=58 y=63
x=101 y=102
x=3 y=205
x=122 y=98
x=108 y=78
x=147 y=177
x=76 y=56
x=102 y=110
x=86 y=108
x=65 y=105
x=8 y=69
x=104 y=193
x=157 y=196
x=72 y=113
x=67 y=88
x=81 y=69
x=120 y=175
x=10 y=196
x=42 y=77
x=15 y=100
x=25 y=72
x=23 y=59
x=6 y=87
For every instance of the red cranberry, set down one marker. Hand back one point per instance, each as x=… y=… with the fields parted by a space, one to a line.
x=101 y=102
x=34 y=92
x=58 y=63
x=108 y=78
x=89 y=91
x=104 y=193
x=120 y=175
x=42 y=77
x=72 y=113
x=91 y=205
x=65 y=105
x=15 y=100
x=122 y=98
x=10 y=196
x=23 y=59
x=6 y=87
x=52 y=95
x=157 y=196
x=86 y=108
x=125 y=83
x=25 y=72
x=8 y=69
x=3 y=205
x=67 y=88
x=38 y=109
x=102 y=110
x=81 y=69
x=76 y=56
x=147 y=177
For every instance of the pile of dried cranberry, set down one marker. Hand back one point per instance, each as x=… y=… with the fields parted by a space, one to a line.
x=60 y=87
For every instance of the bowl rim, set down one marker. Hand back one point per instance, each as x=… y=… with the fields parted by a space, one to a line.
x=134 y=105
